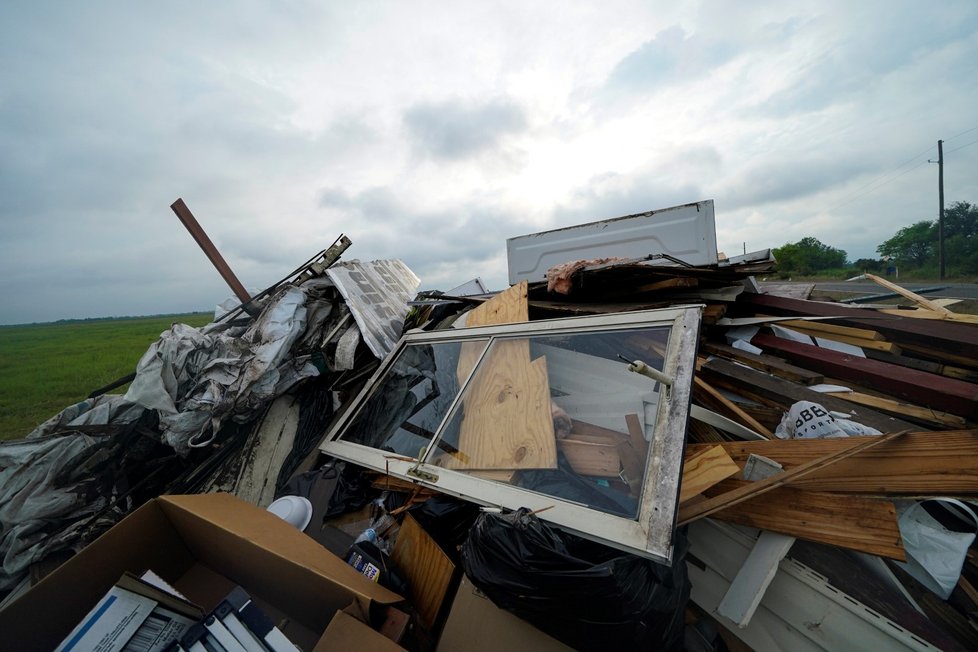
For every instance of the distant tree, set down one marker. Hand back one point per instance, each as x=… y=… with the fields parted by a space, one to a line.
x=914 y=244
x=808 y=255
x=961 y=238
x=868 y=265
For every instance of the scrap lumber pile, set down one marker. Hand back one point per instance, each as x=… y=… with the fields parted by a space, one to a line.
x=909 y=373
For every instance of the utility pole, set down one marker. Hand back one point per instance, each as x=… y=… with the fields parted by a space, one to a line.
x=940 y=193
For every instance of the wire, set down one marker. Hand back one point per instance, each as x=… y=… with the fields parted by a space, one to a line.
x=962 y=147
x=966 y=131
x=879 y=179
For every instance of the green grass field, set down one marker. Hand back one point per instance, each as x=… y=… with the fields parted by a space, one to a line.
x=47 y=367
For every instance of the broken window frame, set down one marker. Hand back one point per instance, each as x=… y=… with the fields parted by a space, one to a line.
x=648 y=535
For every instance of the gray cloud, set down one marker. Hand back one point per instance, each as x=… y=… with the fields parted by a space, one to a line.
x=455 y=130
x=671 y=56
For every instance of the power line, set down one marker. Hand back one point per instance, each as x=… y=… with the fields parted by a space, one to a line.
x=877 y=181
x=966 y=131
x=962 y=147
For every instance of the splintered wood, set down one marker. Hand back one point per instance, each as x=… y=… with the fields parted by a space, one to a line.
x=703 y=469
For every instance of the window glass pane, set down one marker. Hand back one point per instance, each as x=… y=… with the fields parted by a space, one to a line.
x=560 y=415
x=406 y=407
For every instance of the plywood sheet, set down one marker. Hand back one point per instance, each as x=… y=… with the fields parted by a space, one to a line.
x=508 y=422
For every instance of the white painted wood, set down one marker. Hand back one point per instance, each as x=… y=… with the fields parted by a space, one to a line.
x=748 y=587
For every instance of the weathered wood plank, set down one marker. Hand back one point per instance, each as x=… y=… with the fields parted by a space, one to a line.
x=923 y=302
x=937 y=392
x=703 y=469
x=426 y=568
x=754 y=489
x=851 y=522
x=919 y=463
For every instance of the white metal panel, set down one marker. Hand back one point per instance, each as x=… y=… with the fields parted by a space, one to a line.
x=685 y=232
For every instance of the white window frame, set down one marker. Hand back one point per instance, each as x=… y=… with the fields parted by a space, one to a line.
x=650 y=535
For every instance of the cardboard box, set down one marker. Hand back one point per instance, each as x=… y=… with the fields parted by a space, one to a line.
x=347 y=633
x=203 y=545
x=477 y=625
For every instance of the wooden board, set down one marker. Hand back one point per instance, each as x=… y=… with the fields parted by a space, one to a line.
x=769 y=363
x=703 y=469
x=876 y=345
x=830 y=328
x=425 y=567
x=709 y=397
x=930 y=314
x=923 y=302
x=508 y=423
x=754 y=489
x=747 y=589
x=507 y=307
x=904 y=409
x=942 y=335
x=763 y=388
x=937 y=392
x=919 y=463
x=589 y=458
x=851 y=522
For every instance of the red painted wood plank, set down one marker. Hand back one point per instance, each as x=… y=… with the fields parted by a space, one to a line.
x=961 y=339
x=920 y=387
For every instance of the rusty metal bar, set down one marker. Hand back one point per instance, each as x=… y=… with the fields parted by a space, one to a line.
x=198 y=234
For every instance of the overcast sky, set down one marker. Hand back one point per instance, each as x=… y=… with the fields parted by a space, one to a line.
x=431 y=132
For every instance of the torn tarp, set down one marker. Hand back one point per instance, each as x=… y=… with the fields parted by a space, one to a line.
x=196 y=379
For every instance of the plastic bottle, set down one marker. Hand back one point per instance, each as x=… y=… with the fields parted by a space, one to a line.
x=367 y=535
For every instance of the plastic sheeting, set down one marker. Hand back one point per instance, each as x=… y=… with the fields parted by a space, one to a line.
x=197 y=380
x=31 y=498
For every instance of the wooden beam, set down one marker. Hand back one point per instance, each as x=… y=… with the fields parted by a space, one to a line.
x=919 y=463
x=834 y=329
x=930 y=314
x=753 y=489
x=937 y=392
x=875 y=345
x=704 y=392
x=903 y=409
x=927 y=304
x=764 y=388
x=942 y=335
x=767 y=363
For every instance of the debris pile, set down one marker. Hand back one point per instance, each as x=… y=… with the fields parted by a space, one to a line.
x=696 y=460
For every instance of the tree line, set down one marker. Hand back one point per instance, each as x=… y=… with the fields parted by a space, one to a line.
x=912 y=248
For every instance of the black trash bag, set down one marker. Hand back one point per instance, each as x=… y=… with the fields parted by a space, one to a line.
x=446 y=520
x=587 y=595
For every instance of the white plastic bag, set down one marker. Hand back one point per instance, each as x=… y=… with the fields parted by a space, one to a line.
x=935 y=554
x=807 y=420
